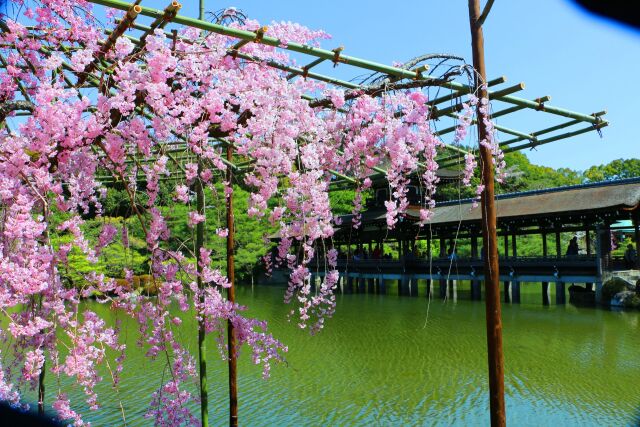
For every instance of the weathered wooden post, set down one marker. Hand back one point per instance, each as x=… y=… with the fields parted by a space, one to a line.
x=489 y=234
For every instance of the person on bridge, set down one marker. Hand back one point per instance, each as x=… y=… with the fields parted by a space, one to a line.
x=573 y=248
x=630 y=257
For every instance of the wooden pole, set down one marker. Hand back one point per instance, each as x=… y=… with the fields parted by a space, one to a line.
x=231 y=296
x=489 y=234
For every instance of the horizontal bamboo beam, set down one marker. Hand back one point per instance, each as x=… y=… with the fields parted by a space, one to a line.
x=270 y=41
x=446 y=162
x=307 y=67
x=494 y=115
x=558 y=137
x=501 y=128
x=121 y=27
x=492 y=95
x=515 y=108
x=459 y=93
x=290 y=69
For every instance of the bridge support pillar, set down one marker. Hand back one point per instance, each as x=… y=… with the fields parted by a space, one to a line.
x=349 y=288
x=476 y=290
x=382 y=288
x=361 y=285
x=371 y=286
x=429 y=290
x=413 y=287
x=403 y=285
x=443 y=288
x=515 y=292
x=545 y=293
x=561 y=297
x=599 y=293
x=588 y=286
x=507 y=291
x=453 y=290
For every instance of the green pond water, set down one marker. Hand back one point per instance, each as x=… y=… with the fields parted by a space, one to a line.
x=388 y=360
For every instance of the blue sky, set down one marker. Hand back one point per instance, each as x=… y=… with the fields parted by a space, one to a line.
x=584 y=63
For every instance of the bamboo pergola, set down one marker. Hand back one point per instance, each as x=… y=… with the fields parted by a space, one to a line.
x=388 y=78
x=504 y=102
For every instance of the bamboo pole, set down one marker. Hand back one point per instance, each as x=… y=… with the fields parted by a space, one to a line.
x=489 y=234
x=202 y=346
x=556 y=138
x=231 y=296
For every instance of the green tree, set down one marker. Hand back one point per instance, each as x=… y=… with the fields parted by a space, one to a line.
x=617 y=169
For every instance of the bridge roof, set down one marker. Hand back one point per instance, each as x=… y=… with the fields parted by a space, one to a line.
x=588 y=198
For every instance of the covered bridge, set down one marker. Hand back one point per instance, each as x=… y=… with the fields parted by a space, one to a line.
x=590 y=211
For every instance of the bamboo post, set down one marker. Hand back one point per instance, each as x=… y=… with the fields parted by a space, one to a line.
x=489 y=234
x=636 y=233
x=202 y=346
x=41 y=390
x=231 y=296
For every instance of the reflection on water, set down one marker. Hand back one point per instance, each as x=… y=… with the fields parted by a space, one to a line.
x=378 y=363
